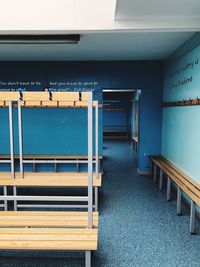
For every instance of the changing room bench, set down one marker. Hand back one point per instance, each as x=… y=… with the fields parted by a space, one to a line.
x=183 y=182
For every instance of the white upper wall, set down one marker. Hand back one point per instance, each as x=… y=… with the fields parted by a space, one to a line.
x=93 y=15
x=56 y=15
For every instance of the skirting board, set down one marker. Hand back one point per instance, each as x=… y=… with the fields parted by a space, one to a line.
x=144 y=173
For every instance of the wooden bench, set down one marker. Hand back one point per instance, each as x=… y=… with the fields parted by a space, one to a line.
x=28 y=230
x=184 y=184
x=46 y=179
x=50 y=230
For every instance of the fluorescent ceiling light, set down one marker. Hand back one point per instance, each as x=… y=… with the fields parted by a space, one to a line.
x=39 y=39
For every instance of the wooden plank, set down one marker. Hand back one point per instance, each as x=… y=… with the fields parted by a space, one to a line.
x=47 y=237
x=69 y=96
x=46 y=223
x=69 y=182
x=9 y=96
x=65 y=231
x=72 y=179
x=48 y=245
x=49 y=213
x=35 y=96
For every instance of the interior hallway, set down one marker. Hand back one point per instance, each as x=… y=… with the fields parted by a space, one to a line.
x=137 y=226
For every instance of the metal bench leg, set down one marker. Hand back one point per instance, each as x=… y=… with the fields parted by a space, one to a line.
x=5 y=201
x=168 y=188
x=96 y=198
x=161 y=180
x=178 y=201
x=192 y=217
x=15 y=194
x=88 y=258
x=154 y=172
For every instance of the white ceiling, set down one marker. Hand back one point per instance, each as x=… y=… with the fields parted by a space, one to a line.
x=110 y=29
x=157 y=9
x=102 y=46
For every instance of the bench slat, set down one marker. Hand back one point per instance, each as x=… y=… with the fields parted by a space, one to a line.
x=49 y=179
x=43 y=219
x=48 y=245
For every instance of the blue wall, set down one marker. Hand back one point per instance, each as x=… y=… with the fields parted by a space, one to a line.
x=181 y=125
x=116 y=113
x=146 y=76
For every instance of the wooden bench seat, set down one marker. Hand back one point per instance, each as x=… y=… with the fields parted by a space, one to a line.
x=48 y=239
x=57 y=179
x=183 y=182
x=47 y=231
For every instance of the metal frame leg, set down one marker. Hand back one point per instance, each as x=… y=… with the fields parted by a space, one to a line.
x=154 y=172
x=55 y=167
x=90 y=161
x=34 y=166
x=96 y=198
x=88 y=258
x=11 y=139
x=15 y=194
x=178 y=201
x=5 y=201
x=192 y=217
x=20 y=140
x=161 y=180
x=168 y=188
x=77 y=166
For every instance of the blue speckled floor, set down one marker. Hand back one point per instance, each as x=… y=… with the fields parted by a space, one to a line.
x=137 y=226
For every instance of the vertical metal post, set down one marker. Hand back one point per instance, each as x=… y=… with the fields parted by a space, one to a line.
x=11 y=139
x=97 y=138
x=161 y=180
x=20 y=140
x=168 y=188
x=88 y=258
x=55 y=166
x=34 y=166
x=178 y=201
x=5 y=201
x=15 y=194
x=77 y=166
x=90 y=161
x=154 y=172
x=192 y=217
x=96 y=198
